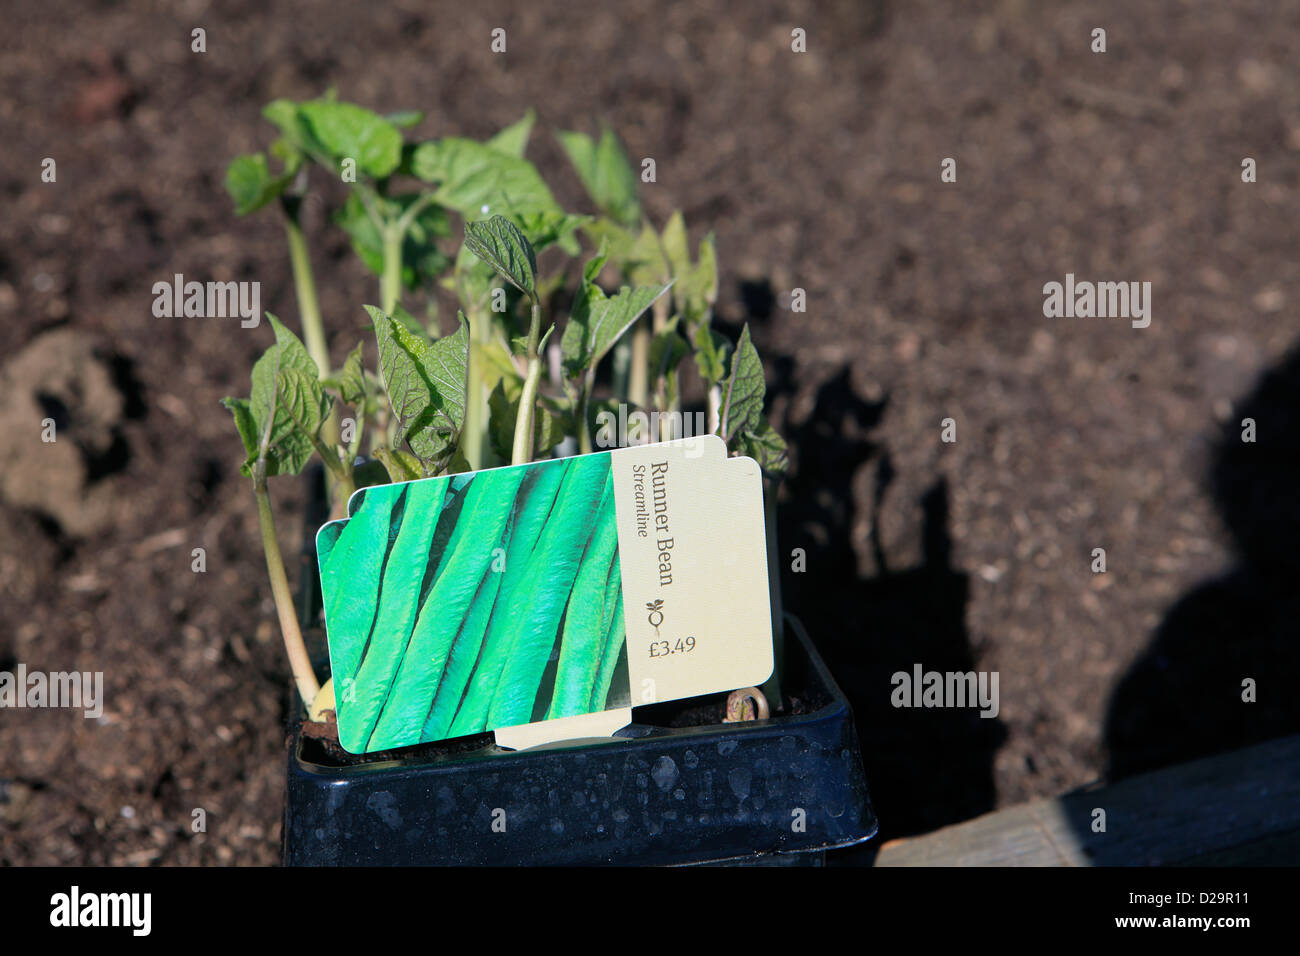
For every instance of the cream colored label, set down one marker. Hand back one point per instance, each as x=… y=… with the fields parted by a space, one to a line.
x=598 y=725
x=693 y=555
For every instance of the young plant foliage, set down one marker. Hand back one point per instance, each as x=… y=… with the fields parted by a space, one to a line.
x=471 y=643
x=606 y=173
x=287 y=395
x=598 y=320
x=426 y=386
x=743 y=391
x=504 y=247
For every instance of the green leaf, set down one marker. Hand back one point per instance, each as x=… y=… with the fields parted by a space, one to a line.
x=426 y=386
x=351 y=379
x=575 y=343
x=401 y=465
x=701 y=283
x=743 y=391
x=288 y=154
x=501 y=244
x=697 y=283
x=477 y=180
x=591 y=269
x=644 y=262
x=494 y=362
x=244 y=423
x=674 y=243
x=605 y=172
x=284 y=115
x=448 y=368
x=410 y=323
x=293 y=354
x=285 y=381
x=549 y=428
x=251 y=185
x=472 y=280
x=459 y=464
x=636 y=254
x=481 y=179
x=422 y=261
x=301 y=398
x=597 y=321
x=367 y=242
x=513 y=140
x=549 y=227
x=348 y=131
x=711 y=350
x=667 y=350
x=400 y=354
x=405 y=119
x=766 y=447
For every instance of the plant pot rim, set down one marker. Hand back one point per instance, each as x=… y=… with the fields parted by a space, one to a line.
x=463 y=751
x=670 y=796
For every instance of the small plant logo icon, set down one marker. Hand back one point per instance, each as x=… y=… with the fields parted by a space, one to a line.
x=656 y=615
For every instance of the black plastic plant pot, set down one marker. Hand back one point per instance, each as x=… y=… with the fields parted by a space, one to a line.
x=676 y=787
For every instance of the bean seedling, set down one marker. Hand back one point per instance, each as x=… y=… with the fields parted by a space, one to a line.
x=498 y=387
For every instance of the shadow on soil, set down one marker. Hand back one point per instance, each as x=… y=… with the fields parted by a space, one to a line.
x=925 y=767
x=1184 y=697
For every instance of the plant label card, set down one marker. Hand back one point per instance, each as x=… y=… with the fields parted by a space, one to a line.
x=549 y=592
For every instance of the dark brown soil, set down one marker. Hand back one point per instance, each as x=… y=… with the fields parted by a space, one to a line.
x=816 y=170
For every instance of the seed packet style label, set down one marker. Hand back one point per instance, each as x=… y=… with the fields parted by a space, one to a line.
x=693 y=551
x=551 y=592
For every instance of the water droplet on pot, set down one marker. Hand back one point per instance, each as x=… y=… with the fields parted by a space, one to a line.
x=665 y=773
x=739 y=780
x=384 y=805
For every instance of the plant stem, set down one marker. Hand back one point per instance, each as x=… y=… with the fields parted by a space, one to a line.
x=417 y=207
x=390 y=282
x=313 y=328
x=394 y=233
x=340 y=484
x=474 y=435
x=584 y=431
x=638 y=385
x=622 y=366
x=354 y=448
x=522 y=451
x=304 y=284
x=303 y=675
x=661 y=310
